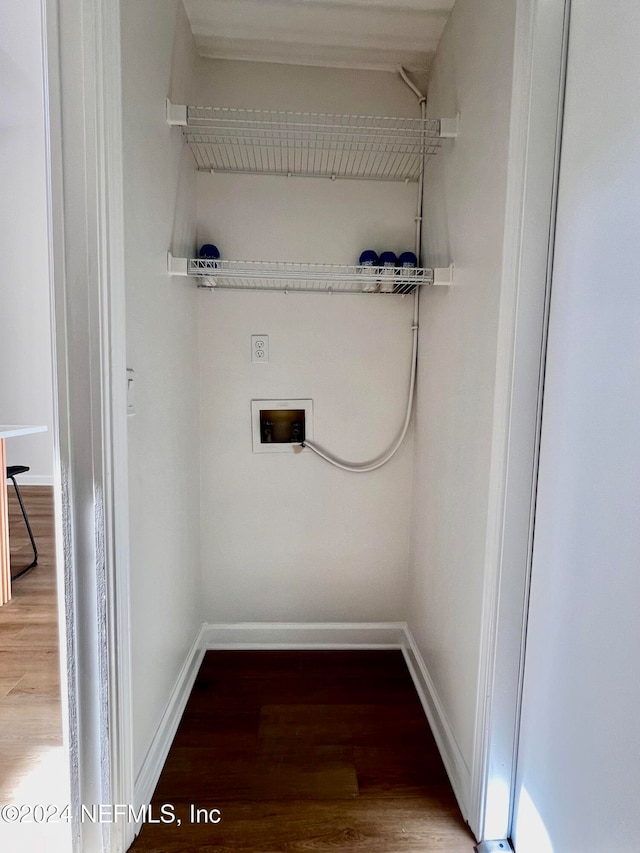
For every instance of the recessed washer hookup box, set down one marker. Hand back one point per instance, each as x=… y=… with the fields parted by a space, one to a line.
x=277 y=425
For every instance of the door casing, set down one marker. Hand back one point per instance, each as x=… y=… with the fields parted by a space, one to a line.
x=88 y=295
x=534 y=150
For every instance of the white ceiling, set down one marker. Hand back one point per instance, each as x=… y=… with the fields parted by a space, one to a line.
x=375 y=34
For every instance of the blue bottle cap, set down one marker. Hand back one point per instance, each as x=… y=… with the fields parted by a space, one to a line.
x=408 y=259
x=388 y=259
x=209 y=252
x=369 y=258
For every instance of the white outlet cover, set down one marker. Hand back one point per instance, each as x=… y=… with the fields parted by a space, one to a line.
x=260 y=349
x=258 y=405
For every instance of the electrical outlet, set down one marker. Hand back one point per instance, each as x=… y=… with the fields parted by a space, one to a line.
x=260 y=349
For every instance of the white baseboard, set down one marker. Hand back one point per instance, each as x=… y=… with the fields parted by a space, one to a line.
x=292 y=636
x=35 y=480
x=157 y=755
x=452 y=757
x=297 y=635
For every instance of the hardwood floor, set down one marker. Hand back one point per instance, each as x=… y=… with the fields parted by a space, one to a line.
x=299 y=751
x=33 y=764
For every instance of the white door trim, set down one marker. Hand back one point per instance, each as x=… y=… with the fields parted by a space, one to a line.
x=539 y=61
x=88 y=298
x=87 y=248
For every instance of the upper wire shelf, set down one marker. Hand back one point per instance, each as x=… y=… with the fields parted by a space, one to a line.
x=309 y=144
x=287 y=276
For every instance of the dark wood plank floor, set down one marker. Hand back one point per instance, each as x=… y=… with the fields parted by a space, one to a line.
x=303 y=751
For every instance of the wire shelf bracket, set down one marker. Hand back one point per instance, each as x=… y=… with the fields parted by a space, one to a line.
x=290 y=277
x=442 y=276
x=302 y=144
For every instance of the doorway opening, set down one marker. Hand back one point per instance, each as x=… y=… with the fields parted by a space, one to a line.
x=34 y=728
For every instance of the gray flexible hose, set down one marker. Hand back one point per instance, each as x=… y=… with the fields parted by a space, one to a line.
x=379 y=461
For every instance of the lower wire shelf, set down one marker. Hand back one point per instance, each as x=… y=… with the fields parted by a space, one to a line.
x=288 y=276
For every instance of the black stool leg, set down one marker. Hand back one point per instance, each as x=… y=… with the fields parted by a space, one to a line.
x=29 y=531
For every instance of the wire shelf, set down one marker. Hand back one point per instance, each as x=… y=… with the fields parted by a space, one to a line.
x=310 y=144
x=299 y=277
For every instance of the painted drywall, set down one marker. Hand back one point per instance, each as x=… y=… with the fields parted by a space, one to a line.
x=159 y=198
x=25 y=341
x=345 y=34
x=465 y=195
x=270 y=86
x=579 y=755
x=286 y=537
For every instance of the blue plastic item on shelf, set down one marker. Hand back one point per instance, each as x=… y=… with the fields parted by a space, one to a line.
x=368 y=258
x=388 y=259
x=408 y=260
x=407 y=263
x=209 y=252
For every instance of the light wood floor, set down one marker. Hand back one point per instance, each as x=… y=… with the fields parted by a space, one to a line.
x=306 y=751
x=30 y=710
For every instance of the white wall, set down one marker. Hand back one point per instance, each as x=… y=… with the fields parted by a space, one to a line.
x=286 y=537
x=162 y=349
x=579 y=758
x=269 y=86
x=25 y=336
x=464 y=222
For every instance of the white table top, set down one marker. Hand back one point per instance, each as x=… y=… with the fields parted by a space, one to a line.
x=10 y=431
